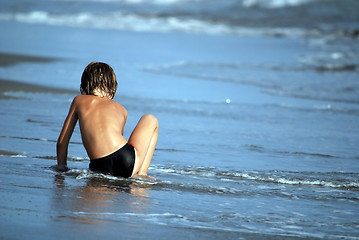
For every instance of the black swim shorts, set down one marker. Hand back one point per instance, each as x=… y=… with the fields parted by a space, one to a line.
x=119 y=163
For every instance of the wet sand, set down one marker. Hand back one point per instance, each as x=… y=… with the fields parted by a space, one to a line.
x=258 y=166
x=13 y=86
x=7 y=59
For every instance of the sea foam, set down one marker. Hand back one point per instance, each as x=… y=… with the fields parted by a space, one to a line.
x=149 y=23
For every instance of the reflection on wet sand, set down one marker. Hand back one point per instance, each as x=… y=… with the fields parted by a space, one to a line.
x=101 y=199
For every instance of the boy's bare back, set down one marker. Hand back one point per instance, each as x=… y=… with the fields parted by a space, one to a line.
x=102 y=122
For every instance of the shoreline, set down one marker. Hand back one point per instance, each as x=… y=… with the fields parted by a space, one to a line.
x=8 y=59
x=16 y=86
x=9 y=85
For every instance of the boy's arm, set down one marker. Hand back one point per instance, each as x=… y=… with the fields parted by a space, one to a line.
x=64 y=138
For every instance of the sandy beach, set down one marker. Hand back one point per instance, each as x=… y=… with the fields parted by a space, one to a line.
x=13 y=86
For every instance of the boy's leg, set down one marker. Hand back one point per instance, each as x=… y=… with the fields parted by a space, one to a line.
x=144 y=139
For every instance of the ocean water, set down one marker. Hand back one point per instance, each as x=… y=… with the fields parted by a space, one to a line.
x=258 y=105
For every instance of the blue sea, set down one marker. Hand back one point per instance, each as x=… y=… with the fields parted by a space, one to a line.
x=258 y=106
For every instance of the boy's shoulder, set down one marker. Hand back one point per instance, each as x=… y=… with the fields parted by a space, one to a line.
x=79 y=99
x=83 y=100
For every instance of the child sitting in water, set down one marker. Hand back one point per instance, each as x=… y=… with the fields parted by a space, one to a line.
x=102 y=123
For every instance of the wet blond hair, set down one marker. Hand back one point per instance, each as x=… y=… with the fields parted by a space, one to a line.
x=98 y=76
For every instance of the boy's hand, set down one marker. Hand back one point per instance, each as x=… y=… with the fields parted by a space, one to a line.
x=62 y=168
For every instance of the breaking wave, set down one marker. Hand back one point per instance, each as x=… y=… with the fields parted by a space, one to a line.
x=142 y=23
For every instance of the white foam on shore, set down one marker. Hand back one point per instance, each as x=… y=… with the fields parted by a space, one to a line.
x=291 y=181
x=157 y=218
x=274 y=3
x=245 y=3
x=133 y=22
x=17 y=156
x=287 y=178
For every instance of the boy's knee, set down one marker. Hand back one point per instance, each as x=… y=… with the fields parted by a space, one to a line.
x=150 y=118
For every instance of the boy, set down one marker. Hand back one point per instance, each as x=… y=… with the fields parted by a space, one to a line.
x=102 y=123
